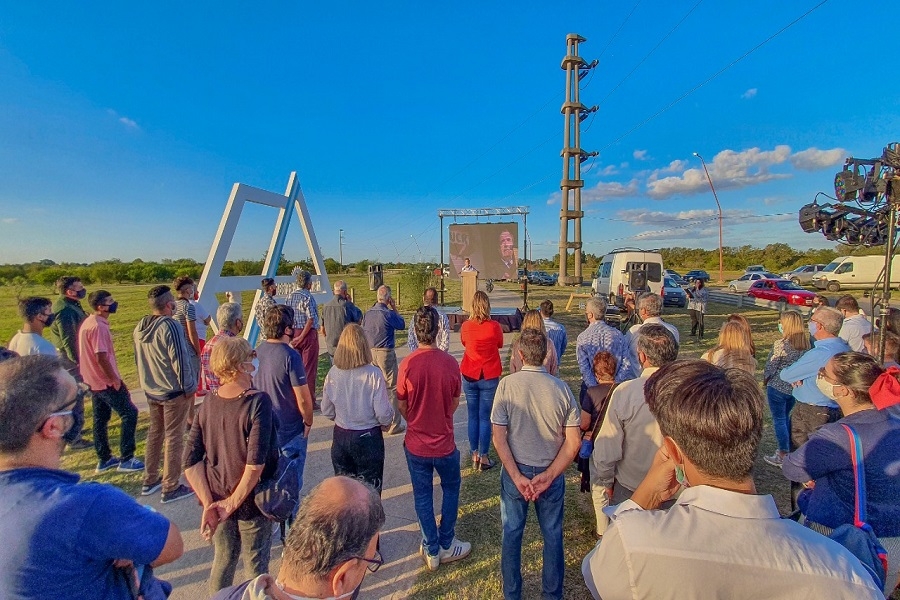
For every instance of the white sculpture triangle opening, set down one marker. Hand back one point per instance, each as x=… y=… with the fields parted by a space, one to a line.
x=212 y=281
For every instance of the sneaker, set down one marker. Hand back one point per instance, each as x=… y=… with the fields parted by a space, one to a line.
x=458 y=550
x=432 y=562
x=106 y=465
x=776 y=460
x=131 y=465
x=81 y=444
x=179 y=493
x=148 y=490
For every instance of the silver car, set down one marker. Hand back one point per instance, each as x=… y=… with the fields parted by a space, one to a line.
x=743 y=283
x=803 y=275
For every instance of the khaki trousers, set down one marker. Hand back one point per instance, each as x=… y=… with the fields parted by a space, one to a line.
x=386 y=360
x=165 y=439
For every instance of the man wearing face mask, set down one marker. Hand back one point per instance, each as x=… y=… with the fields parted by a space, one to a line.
x=721 y=538
x=167 y=376
x=108 y=391
x=36 y=315
x=329 y=549
x=813 y=407
x=62 y=539
x=69 y=315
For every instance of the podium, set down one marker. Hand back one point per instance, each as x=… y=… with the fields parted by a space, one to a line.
x=469 y=287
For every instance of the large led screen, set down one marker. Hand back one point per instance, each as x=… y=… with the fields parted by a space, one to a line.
x=492 y=249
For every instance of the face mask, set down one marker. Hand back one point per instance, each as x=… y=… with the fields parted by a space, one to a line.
x=813 y=328
x=680 y=477
x=780 y=329
x=49 y=321
x=113 y=307
x=80 y=294
x=826 y=388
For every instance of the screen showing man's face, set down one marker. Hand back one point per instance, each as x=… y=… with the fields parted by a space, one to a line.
x=506 y=245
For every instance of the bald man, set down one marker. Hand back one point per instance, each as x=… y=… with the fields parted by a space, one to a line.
x=340 y=518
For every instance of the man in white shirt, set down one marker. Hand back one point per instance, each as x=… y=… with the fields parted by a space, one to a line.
x=720 y=539
x=856 y=324
x=36 y=313
x=649 y=307
x=629 y=435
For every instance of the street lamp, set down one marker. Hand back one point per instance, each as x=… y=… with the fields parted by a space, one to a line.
x=341 y=251
x=719 y=206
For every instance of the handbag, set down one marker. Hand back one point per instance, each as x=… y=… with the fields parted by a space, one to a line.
x=859 y=538
x=278 y=496
x=587 y=445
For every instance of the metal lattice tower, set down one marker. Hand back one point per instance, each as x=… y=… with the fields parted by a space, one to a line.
x=574 y=113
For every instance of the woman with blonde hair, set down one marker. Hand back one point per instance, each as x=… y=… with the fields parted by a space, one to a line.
x=533 y=320
x=355 y=397
x=745 y=327
x=793 y=343
x=481 y=368
x=233 y=445
x=732 y=349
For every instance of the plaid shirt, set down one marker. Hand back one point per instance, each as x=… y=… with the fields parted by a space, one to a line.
x=305 y=308
x=600 y=336
x=212 y=382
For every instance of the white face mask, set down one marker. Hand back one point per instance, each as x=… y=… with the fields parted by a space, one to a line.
x=826 y=388
x=281 y=587
x=813 y=328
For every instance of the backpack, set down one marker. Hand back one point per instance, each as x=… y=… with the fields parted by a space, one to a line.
x=859 y=538
x=278 y=496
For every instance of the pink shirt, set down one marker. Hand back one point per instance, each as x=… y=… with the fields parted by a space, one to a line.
x=93 y=337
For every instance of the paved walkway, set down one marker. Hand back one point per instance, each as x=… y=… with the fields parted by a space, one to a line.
x=400 y=536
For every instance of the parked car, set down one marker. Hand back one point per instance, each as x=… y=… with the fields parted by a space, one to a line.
x=673 y=294
x=743 y=283
x=855 y=272
x=755 y=269
x=674 y=276
x=628 y=270
x=781 y=290
x=803 y=274
x=690 y=276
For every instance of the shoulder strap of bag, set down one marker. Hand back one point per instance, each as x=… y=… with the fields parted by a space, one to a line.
x=599 y=419
x=859 y=476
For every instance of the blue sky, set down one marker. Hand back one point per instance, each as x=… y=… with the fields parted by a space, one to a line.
x=123 y=127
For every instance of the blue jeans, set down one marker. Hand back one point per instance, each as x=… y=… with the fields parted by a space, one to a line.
x=296 y=447
x=513 y=514
x=479 y=402
x=421 y=473
x=781 y=404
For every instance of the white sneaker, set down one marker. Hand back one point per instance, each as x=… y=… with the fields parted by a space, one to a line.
x=432 y=562
x=458 y=550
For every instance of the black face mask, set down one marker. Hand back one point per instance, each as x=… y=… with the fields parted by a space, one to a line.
x=113 y=307
x=50 y=319
x=80 y=294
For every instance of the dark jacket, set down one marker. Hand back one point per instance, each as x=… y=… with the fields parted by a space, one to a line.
x=164 y=365
x=64 y=329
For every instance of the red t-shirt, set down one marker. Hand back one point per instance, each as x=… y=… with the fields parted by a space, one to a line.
x=483 y=342
x=428 y=382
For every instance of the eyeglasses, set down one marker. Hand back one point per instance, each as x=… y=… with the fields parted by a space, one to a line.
x=59 y=412
x=374 y=563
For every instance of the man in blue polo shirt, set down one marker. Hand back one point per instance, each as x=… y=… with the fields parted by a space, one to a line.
x=62 y=539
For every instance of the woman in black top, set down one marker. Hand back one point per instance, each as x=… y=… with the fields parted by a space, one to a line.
x=232 y=446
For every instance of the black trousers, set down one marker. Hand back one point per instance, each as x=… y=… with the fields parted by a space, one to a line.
x=104 y=403
x=360 y=454
x=805 y=419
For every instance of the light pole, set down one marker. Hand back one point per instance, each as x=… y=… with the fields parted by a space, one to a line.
x=719 y=206
x=341 y=251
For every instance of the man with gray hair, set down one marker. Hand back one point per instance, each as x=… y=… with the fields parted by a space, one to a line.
x=430 y=298
x=167 y=376
x=381 y=323
x=649 y=308
x=535 y=423
x=230 y=320
x=332 y=544
x=813 y=408
x=306 y=329
x=629 y=436
x=336 y=314
x=600 y=336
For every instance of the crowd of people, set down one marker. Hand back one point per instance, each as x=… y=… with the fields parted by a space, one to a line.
x=666 y=445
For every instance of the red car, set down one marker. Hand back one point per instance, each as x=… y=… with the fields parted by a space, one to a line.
x=781 y=290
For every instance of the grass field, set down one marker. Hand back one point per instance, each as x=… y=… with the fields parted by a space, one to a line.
x=479 y=518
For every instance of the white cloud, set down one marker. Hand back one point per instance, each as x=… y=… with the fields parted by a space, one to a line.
x=605 y=171
x=640 y=155
x=130 y=123
x=609 y=189
x=624 y=165
x=812 y=159
x=9 y=220
x=728 y=169
x=749 y=94
x=675 y=166
x=638 y=216
x=684 y=233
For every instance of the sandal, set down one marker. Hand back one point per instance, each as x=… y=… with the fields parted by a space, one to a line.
x=476 y=461
x=484 y=466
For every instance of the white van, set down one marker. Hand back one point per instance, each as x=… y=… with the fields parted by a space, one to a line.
x=628 y=270
x=855 y=272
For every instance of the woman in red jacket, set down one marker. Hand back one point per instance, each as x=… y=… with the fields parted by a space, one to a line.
x=483 y=339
